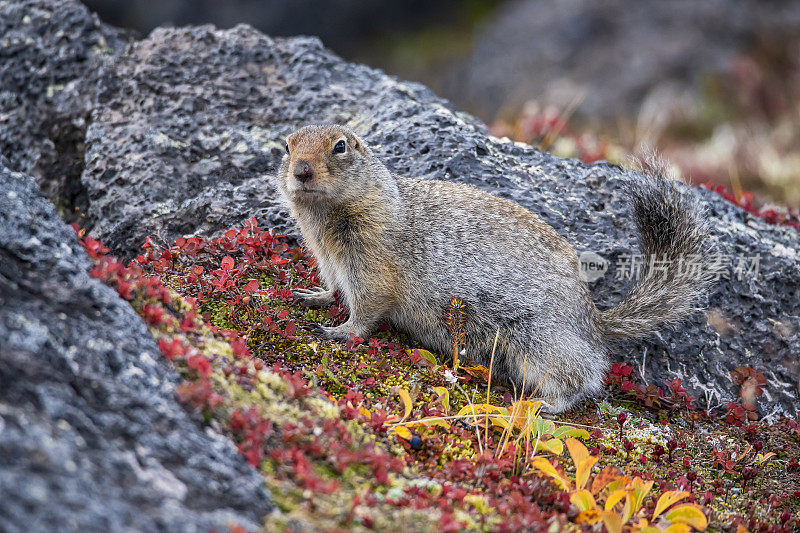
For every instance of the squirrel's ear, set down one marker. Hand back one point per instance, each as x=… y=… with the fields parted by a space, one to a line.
x=356 y=142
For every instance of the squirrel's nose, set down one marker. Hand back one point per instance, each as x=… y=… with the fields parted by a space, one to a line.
x=303 y=172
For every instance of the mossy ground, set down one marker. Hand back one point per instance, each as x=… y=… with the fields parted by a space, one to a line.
x=367 y=434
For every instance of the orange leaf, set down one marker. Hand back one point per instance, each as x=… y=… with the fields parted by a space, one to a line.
x=407 y=404
x=622 y=482
x=479 y=414
x=577 y=450
x=478 y=371
x=583 y=461
x=644 y=527
x=523 y=409
x=588 y=518
x=606 y=476
x=582 y=471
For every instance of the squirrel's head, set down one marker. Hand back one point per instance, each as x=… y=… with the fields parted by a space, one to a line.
x=329 y=164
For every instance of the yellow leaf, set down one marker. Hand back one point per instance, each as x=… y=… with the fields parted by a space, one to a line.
x=689 y=514
x=544 y=466
x=402 y=431
x=429 y=421
x=614 y=498
x=553 y=446
x=622 y=482
x=588 y=518
x=678 y=528
x=667 y=499
x=644 y=527
x=577 y=450
x=582 y=471
x=499 y=421
x=638 y=493
x=480 y=409
x=406 y=402
x=365 y=412
x=478 y=502
x=479 y=414
x=612 y=521
x=763 y=458
x=627 y=509
x=444 y=395
x=648 y=529
x=583 y=500
x=524 y=411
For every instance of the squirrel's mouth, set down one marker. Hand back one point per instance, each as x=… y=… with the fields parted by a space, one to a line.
x=305 y=190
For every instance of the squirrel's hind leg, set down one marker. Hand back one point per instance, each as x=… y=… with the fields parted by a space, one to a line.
x=563 y=378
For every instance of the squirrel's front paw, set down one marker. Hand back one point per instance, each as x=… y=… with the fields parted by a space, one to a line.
x=337 y=333
x=314 y=297
x=344 y=331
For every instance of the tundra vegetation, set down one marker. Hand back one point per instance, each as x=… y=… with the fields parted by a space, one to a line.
x=379 y=434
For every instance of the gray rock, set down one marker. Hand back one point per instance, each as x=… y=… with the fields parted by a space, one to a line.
x=345 y=25
x=91 y=437
x=49 y=54
x=189 y=125
x=614 y=54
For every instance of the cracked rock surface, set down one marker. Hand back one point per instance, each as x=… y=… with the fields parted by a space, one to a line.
x=91 y=437
x=49 y=55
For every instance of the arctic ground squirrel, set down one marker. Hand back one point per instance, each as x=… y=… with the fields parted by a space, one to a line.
x=400 y=249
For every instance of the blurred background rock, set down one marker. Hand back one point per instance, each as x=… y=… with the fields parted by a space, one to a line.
x=713 y=85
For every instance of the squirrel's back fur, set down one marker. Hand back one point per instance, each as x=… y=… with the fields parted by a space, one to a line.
x=401 y=249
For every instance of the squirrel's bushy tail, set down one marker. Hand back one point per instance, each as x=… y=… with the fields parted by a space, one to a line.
x=673 y=245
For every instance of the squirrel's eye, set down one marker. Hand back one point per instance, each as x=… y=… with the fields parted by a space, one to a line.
x=287 y=147
x=339 y=147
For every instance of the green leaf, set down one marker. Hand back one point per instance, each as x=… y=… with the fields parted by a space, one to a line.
x=569 y=431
